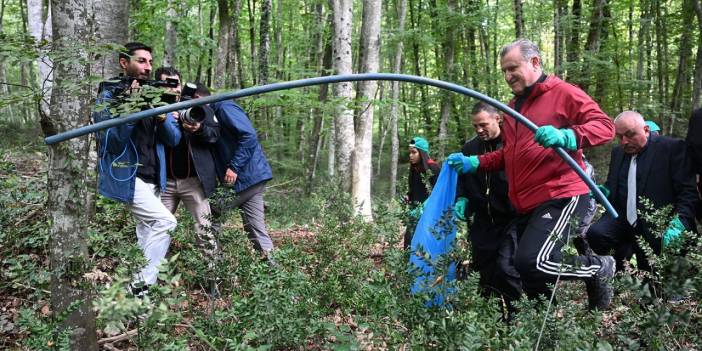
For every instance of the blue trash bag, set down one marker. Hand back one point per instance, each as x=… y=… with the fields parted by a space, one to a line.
x=433 y=240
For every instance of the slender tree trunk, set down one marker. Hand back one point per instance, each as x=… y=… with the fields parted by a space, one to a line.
x=370 y=63
x=472 y=50
x=201 y=42
x=4 y=88
x=661 y=60
x=66 y=183
x=697 y=82
x=211 y=52
x=642 y=38
x=169 y=55
x=223 y=37
x=592 y=46
x=322 y=66
x=397 y=68
x=264 y=48
x=518 y=19
x=484 y=39
x=331 y=149
x=449 y=57
x=342 y=60
x=560 y=9
x=415 y=19
x=40 y=27
x=265 y=41
x=573 y=41
x=684 y=58
x=252 y=38
x=236 y=71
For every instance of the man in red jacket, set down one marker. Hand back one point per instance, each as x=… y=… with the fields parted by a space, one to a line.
x=546 y=193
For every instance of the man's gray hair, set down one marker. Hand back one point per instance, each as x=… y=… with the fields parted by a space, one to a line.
x=640 y=121
x=526 y=47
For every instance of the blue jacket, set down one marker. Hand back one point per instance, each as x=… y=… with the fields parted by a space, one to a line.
x=118 y=158
x=238 y=147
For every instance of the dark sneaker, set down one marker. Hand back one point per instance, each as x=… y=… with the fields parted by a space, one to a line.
x=599 y=291
x=138 y=290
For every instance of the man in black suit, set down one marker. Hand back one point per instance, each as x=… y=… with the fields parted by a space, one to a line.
x=644 y=166
x=694 y=151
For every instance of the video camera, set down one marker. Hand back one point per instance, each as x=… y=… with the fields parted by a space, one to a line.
x=195 y=114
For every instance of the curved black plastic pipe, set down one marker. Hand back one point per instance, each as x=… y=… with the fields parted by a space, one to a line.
x=326 y=80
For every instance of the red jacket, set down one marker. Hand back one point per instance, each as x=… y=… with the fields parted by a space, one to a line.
x=536 y=174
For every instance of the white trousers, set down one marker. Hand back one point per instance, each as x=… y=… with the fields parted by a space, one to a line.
x=154 y=222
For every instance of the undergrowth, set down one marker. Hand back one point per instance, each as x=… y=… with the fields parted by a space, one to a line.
x=339 y=284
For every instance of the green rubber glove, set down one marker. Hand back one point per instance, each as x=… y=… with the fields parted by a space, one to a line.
x=459 y=208
x=417 y=211
x=463 y=164
x=675 y=229
x=603 y=189
x=549 y=136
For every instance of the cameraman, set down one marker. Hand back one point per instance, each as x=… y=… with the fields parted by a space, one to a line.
x=132 y=167
x=243 y=169
x=190 y=167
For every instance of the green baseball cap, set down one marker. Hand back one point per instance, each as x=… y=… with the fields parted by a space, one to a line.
x=420 y=144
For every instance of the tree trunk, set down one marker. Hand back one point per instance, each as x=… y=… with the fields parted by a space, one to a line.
x=342 y=60
x=684 y=58
x=169 y=54
x=223 y=37
x=111 y=20
x=573 y=41
x=66 y=183
x=370 y=63
x=518 y=19
x=4 y=88
x=397 y=68
x=449 y=56
x=592 y=45
x=252 y=40
x=323 y=64
x=415 y=20
x=236 y=72
x=40 y=27
x=643 y=37
x=211 y=53
x=265 y=41
x=661 y=60
x=484 y=40
x=697 y=82
x=264 y=48
x=560 y=12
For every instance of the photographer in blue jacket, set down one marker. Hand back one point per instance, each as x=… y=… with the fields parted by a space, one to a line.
x=132 y=162
x=243 y=169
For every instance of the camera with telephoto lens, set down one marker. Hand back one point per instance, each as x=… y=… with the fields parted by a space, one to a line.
x=123 y=83
x=195 y=114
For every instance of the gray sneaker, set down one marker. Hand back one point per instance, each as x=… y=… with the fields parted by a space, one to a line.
x=599 y=291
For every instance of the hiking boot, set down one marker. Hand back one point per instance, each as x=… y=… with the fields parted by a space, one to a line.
x=599 y=291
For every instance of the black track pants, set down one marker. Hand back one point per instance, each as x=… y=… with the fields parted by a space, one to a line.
x=542 y=233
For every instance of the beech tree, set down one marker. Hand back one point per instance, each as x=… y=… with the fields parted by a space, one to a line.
x=370 y=61
x=66 y=178
x=342 y=11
